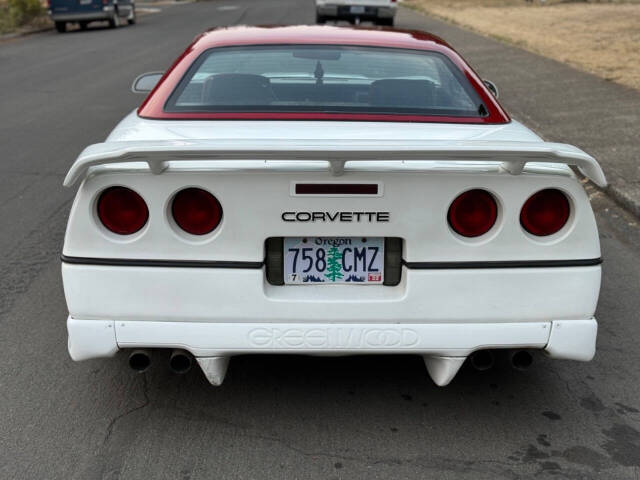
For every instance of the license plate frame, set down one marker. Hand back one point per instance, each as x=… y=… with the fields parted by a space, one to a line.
x=334 y=260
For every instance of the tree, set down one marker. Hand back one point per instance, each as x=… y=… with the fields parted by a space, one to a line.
x=334 y=264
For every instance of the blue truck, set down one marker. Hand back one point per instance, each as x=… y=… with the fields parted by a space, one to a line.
x=82 y=12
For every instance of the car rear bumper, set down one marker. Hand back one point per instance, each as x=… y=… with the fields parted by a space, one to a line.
x=344 y=12
x=566 y=339
x=83 y=17
x=227 y=311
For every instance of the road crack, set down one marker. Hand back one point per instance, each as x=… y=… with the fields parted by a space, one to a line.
x=115 y=420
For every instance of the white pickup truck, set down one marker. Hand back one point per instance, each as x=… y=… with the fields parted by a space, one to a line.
x=381 y=12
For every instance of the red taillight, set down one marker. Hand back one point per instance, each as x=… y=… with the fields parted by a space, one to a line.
x=545 y=212
x=122 y=210
x=196 y=211
x=473 y=213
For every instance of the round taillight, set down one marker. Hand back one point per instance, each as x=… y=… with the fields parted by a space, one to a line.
x=122 y=210
x=196 y=211
x=545 y=212
x=473 y=213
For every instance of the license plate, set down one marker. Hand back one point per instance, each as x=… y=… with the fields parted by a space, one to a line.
x=331 y=260
x=85 y=2
x=357 y=10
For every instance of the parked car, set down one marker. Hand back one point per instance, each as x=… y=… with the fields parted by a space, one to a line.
x=328 y=191
x=83 y=12
x=381 y=12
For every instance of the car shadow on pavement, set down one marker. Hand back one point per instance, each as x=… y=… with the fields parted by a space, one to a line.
x=339 y=378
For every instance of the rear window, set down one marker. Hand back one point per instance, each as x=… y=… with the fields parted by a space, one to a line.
x=325 y=78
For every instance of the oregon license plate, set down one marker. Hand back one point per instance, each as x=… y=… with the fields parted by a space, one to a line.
x=330 y=260
x=356 y=9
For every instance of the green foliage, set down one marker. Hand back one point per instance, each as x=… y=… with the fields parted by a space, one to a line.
x=4 y=17
x=24 y=10
x=14 y=13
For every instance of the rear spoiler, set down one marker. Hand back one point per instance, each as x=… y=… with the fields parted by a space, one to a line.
x=512 y=155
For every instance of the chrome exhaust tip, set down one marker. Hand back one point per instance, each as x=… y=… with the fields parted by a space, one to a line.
x=140 y=360
x=482 y=360
x=521 y=359
x=180 y=361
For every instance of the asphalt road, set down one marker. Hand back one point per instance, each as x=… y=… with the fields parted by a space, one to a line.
x=280 y=417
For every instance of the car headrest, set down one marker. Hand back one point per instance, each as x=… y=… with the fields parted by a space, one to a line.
x=237 y=89
x=403 y=93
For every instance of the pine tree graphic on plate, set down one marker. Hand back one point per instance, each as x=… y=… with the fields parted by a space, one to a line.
x=334 y=264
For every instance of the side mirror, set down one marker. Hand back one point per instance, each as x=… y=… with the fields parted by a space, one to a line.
x=492 y=87
x=144 y=83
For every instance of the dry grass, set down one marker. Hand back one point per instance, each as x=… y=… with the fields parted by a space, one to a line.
x=602 y=38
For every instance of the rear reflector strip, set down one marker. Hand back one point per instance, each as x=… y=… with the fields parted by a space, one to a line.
x=336 y=189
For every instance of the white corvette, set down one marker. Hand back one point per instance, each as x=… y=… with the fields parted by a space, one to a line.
x=328 y=191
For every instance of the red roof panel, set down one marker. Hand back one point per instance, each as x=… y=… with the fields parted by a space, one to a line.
x=152 y=107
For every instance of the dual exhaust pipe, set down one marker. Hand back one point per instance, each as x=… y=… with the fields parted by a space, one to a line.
x=484 y=359
x=180 y=361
